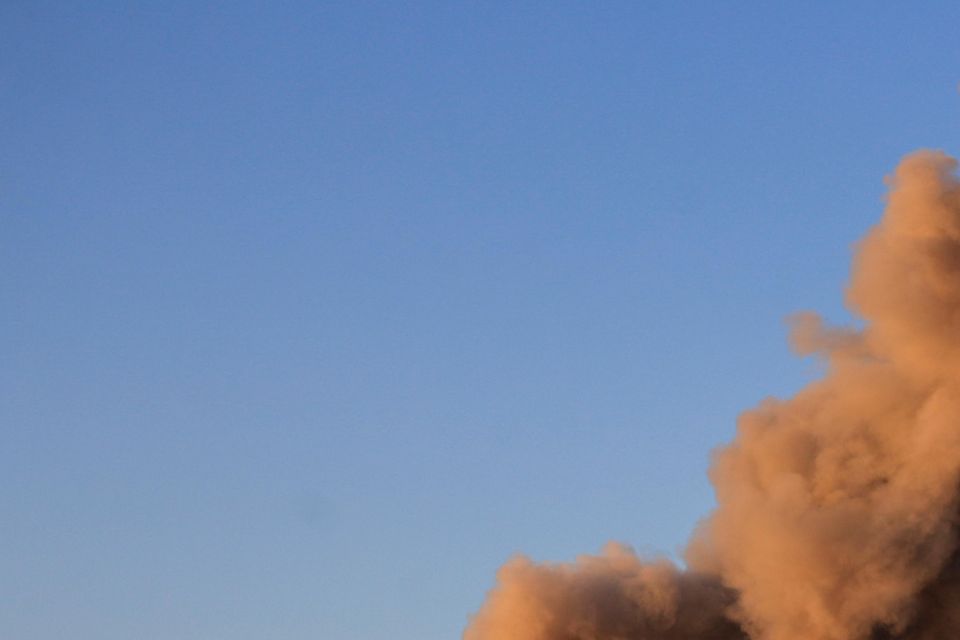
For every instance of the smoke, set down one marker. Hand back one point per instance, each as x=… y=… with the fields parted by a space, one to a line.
x=837 y=509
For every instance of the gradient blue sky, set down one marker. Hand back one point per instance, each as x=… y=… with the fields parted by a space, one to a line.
x=312 y=314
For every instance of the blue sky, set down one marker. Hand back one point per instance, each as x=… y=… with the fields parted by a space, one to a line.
x=313 y=314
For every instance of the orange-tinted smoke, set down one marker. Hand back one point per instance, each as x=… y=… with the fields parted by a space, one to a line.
x=837 y=509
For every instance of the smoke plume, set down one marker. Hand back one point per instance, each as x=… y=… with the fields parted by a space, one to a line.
x=837 y=509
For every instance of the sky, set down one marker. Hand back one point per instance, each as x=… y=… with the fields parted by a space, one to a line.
x=313 y=314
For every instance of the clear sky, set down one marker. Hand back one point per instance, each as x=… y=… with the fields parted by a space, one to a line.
x=313 y=314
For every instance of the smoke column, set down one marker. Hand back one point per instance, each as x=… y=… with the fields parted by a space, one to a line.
x=837 y=509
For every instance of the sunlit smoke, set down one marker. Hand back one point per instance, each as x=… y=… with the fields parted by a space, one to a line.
x=837 y=509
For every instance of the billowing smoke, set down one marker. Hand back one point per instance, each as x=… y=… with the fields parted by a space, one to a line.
x=837 y=509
